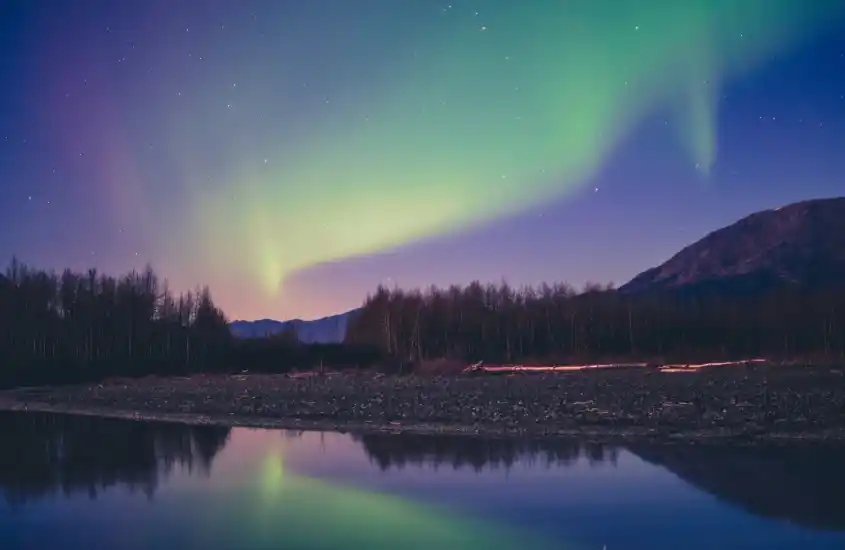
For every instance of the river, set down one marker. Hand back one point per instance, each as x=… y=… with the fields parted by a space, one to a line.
x=72 y=482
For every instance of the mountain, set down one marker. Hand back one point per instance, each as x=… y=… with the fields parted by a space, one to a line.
x=801 y=245
x=327 y=330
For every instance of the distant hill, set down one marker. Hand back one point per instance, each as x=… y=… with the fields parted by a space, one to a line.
x=801 y=245
x=327 y=330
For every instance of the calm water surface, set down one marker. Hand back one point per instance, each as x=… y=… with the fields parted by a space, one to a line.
x=85 y=483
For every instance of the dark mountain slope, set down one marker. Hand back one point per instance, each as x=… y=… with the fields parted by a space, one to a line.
x=801 y=245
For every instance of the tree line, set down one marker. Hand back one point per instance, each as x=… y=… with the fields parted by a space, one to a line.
x=72 y=324
x=74 y=327
x=556 y=323
x=82 y=326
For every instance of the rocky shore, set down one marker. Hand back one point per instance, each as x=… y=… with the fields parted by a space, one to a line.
x=743 y=403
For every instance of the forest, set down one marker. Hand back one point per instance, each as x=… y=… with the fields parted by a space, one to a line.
x=81 y=327
x=77 y=326
x=557 y=324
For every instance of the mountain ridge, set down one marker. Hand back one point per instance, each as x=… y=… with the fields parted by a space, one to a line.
x=799 y=245
x=330 y=329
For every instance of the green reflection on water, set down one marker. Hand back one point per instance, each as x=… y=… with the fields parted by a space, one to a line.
x=282 y=509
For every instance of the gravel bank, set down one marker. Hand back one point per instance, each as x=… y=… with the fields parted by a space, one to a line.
x=740 y=403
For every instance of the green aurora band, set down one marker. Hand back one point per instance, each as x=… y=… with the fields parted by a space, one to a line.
x=491 y=119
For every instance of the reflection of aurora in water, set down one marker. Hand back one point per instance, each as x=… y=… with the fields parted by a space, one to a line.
x=417 y=492
x=282 y=509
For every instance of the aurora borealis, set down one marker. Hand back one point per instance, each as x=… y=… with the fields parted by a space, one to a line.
x=270 y=149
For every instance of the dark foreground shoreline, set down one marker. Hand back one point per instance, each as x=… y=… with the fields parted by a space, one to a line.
x=744 y=404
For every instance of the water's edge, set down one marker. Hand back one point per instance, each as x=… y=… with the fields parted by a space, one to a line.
x=602 y=435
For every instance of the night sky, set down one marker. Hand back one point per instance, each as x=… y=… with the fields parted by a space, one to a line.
x=294 y=154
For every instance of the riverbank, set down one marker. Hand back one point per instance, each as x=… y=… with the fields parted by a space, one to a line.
x=744 y=403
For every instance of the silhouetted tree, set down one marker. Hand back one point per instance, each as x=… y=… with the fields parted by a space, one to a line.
x=78 y=325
